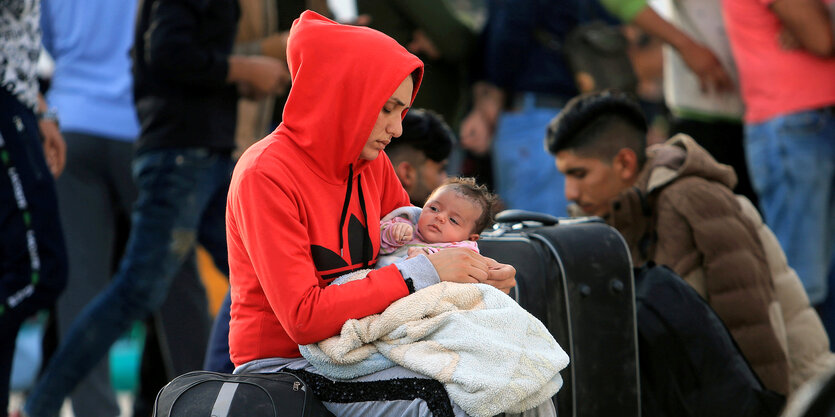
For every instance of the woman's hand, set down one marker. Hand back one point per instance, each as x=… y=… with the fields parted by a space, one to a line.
x=467 y=266
x=460 y=265
x=501 y=276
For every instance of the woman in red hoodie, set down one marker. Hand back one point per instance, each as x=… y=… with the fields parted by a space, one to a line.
x=301 y=203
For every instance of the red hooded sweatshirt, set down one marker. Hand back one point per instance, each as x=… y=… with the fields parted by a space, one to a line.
x=301 y=200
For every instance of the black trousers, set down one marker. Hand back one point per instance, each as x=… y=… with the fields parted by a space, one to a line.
x=33 y=258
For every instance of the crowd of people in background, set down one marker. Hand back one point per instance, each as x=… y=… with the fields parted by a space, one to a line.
x=118 y=166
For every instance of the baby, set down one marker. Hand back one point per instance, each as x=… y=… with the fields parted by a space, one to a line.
x=453 y=216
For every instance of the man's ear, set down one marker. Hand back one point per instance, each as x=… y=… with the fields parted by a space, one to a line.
x=626 y=164
x=406 y=174
x=474 y=237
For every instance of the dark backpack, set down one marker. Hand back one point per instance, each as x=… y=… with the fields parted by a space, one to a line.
x=212 y=394
x=689 y=363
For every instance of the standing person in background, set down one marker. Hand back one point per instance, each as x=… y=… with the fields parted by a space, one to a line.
x=524 y=85
x=700 y=77
x=527 y=82
x=33 y=259
x=440 y=37
x=444 y=35
x=784 y=51
x=91 y=89
x=185 y=89
x=263 y=30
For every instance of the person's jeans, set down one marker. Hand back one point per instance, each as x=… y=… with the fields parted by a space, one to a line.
x=791 y=160
x=176 y=186
x=217 y=353
x=526 y=175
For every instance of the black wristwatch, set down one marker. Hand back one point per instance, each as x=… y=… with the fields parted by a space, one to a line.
x=50 y=115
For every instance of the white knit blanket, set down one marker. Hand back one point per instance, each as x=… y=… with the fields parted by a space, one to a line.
x=491 y=355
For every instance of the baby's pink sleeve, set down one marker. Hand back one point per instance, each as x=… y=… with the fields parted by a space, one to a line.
x=388 y=243
x=469 y=244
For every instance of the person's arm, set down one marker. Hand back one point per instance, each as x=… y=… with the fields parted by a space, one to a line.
x=54 y=147
x=698 y=58
x=478 y=126
x=452 y=38
x=809 y=24
x=173 y=52
x=257 y=75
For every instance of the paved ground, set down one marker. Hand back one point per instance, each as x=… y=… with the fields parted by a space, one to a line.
x=125 y=403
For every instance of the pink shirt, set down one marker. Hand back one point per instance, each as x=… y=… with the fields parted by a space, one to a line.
x=774 y=81
x=389 y=244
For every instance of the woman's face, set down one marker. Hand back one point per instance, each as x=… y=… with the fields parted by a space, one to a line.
x=389 y=121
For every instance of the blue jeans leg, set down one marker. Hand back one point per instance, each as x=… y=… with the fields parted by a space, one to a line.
x=217 y=354
x=526 y=175
x=175 y=186
x=791 y=159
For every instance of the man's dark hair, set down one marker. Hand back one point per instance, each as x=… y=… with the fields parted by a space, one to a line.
x=479 y=194
x=424 y=131
x=599 y=125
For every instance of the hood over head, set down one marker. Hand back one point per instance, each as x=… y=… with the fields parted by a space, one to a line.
x=342 y=76
x=681 y=157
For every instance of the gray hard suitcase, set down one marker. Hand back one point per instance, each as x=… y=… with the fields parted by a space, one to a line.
x=576 y=276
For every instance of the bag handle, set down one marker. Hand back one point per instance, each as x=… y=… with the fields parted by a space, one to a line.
x=516 y=216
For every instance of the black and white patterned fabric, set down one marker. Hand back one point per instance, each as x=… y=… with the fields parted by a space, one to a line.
x=20 y=45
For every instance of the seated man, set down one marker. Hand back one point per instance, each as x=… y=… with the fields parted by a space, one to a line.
x=674 y=206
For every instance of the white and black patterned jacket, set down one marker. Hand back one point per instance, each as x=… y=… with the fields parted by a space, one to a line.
x=20 y=45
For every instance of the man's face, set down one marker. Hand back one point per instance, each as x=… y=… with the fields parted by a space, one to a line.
x=429 y=176
x=590 y=182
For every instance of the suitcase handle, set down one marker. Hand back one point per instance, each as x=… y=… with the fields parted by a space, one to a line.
x=516 y=216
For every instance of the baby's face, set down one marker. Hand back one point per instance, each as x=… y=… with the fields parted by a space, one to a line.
x=448 y=217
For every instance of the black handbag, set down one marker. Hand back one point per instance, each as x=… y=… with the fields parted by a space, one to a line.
x=212 y=394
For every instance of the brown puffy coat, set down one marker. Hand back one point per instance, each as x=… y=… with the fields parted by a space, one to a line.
x=682 y=213
x=806 y=341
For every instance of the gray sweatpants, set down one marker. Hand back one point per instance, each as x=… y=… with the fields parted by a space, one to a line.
x=95 y=192
x=408 y=408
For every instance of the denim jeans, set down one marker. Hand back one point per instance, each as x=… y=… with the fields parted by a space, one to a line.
x=217 y=353
x=791 y=160
x=179 y=191
x=526 y=175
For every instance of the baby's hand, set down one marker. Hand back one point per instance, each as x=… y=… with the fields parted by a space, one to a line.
x=402 y=232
